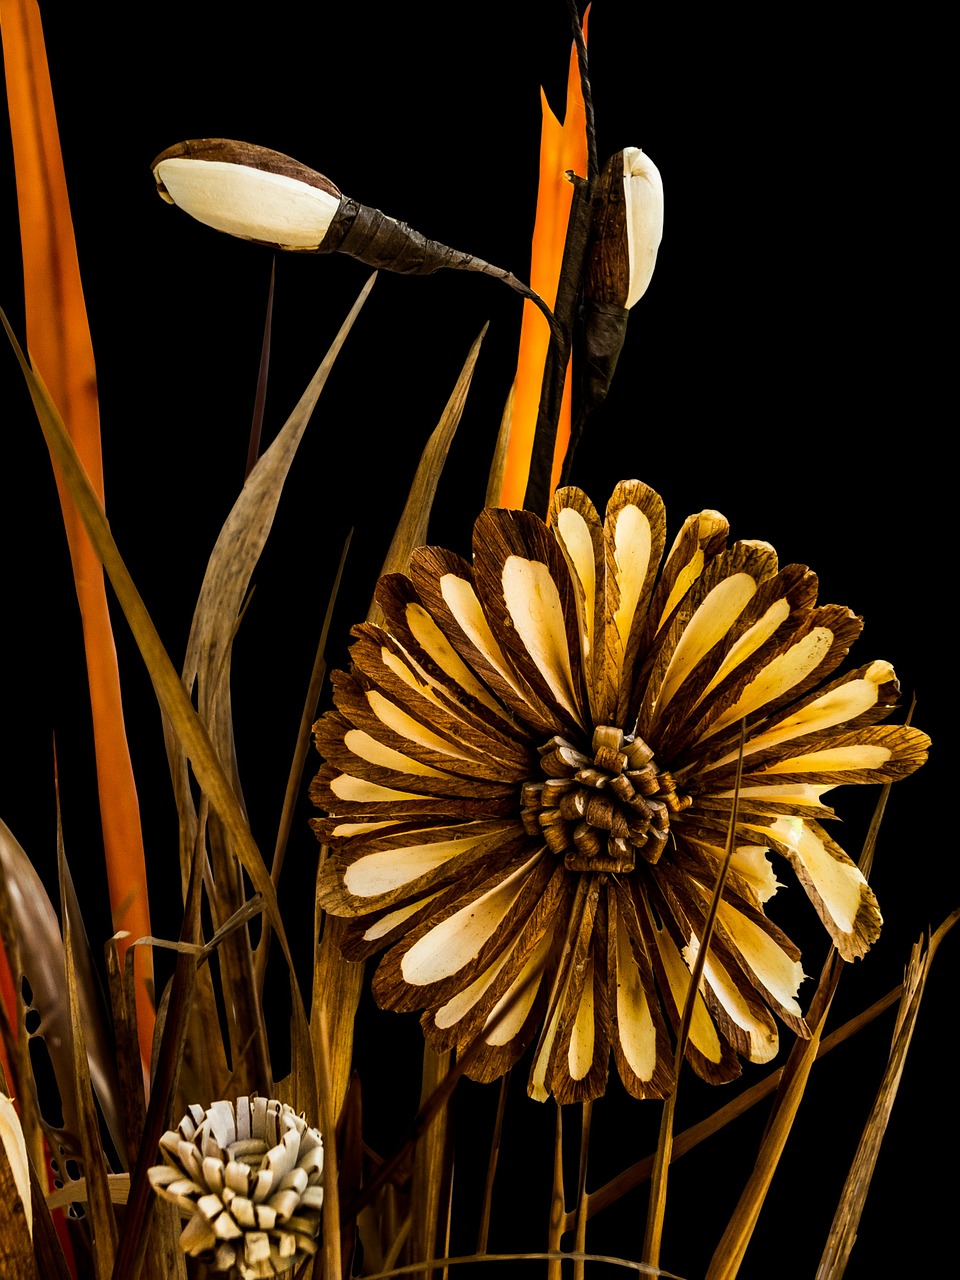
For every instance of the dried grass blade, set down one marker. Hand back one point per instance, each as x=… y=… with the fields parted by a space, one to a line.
x=580 y=1238
x=411 y=530
x=101 y=1052
x=729 y=1253
x=638 y=1173
x=173 y=1017
x=658 y=1191
x=557 y=1201
x=60 y=344
x=173 y=698
x=103 y=1224
x=133 y=1103
x=498 y=465
x=843 y=1229
x=432 y=1164
x=260 y=399
x=552 y=1257
x=300 y=752
x=484 y=1232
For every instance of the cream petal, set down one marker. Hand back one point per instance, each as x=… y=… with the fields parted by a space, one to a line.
x=574 y=533
x=436 y=644
x=347 y=787
x=386 y=923
x=580 y=1052
x=834 y=883
x=361 y=744
x=635 y=1025
x=703 y=1034
x=455 y=941
x=778 y=973
x=778 y=676
x=533 y=602
x=709 y=624
x=388 y=869
x=462 y=601
x=760 y=1032
x=844 y=702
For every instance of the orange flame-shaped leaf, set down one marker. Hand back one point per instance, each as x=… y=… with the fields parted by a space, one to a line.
x=563 y=147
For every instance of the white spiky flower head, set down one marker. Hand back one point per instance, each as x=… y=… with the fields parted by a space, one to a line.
x=248 y=1175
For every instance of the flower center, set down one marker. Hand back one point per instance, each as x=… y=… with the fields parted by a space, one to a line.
x=599 y=812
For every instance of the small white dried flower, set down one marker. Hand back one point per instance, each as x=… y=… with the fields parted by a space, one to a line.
x=249 y=1177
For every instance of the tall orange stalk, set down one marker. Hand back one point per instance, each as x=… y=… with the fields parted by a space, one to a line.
x=562 y=147
x=58 y=339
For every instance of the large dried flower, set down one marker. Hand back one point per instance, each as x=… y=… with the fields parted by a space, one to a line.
x=248 y=1175
x=531 y=767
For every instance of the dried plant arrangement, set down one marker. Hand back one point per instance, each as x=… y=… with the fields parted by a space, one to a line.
x=429 y=849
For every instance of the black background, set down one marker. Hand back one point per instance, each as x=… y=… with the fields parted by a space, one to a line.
x=784 y=367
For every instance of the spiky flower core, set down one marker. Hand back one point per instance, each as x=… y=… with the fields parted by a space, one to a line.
x=529 y=786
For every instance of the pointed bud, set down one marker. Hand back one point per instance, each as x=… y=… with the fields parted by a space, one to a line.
x=248 y=191
x=627 y=229
x=625 y=235
x=262 y=195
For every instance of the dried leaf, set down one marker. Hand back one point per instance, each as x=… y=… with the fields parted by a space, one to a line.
x=411 y=529
x=843 y=1229
x=103 y=1224
x=432 y=1165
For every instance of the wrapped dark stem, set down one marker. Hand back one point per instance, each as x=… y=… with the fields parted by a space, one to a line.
x=604 y=330
x=593 y=166
x=383 y=242
x=537 y=497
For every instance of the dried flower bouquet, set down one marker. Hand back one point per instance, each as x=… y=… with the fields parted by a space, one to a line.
x=533 y=772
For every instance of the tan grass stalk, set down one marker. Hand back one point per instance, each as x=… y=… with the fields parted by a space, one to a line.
x=638 y=1173
x=484 y=1231
x=103 y=1224
x=432 y=1162
x=843 y=1230
x=557 y=1201
x=170 y=692
x=58 y=337
x=580 y=1239
x=341 y=980
x=658 y=1191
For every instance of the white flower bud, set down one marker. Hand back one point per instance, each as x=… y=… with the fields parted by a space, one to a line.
x=248 y=191
x=643 y=189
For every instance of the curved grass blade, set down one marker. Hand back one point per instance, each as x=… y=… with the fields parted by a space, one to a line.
x=658 y=1189
x=340 y=981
